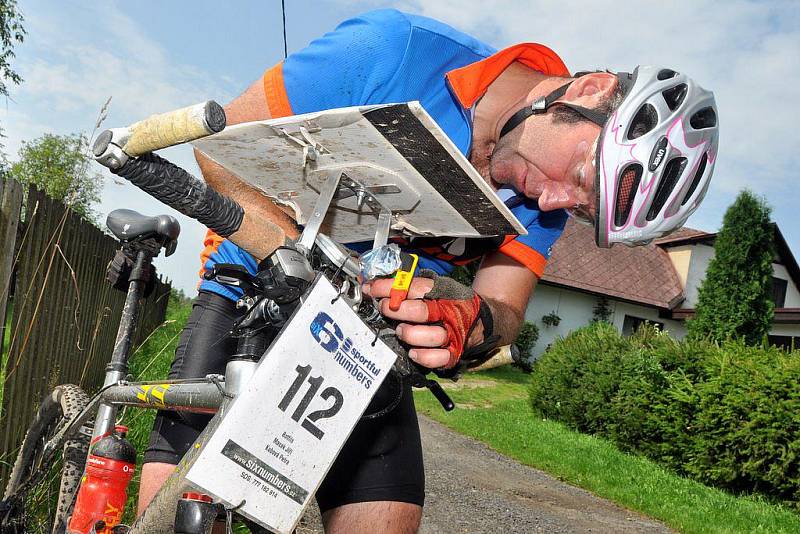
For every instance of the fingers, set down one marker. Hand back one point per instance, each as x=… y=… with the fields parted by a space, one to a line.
x=412 y=311
x=431 y=358
x=426 y=340
x=422 y=335
x=380 y=287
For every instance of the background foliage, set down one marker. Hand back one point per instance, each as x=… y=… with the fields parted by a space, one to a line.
x=734 y=300
x=60 y=165
x=11 y=34
x=527 y=338
x=726 y=415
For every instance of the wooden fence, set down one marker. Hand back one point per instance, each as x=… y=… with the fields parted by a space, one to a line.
x=63 y=314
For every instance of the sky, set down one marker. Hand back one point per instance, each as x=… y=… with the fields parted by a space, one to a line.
x=155 y=56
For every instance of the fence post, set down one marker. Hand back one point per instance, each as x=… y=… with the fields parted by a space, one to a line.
x=10 y=206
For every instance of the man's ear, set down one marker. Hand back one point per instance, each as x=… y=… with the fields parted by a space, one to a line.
x=591 y=89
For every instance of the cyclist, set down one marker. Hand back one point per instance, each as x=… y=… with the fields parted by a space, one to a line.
x=551 y=144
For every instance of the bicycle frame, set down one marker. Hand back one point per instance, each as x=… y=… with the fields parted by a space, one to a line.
x=206 y=395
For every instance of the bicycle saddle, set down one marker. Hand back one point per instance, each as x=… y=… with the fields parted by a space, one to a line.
x=128 y=225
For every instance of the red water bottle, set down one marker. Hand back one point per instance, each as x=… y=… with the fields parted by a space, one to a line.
x=103 y=492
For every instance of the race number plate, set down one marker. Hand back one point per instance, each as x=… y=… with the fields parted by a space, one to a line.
x=280 y=436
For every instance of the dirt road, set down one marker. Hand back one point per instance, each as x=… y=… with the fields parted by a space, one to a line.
x=472 y=489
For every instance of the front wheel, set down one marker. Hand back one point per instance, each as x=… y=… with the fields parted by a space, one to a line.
x=42 y=487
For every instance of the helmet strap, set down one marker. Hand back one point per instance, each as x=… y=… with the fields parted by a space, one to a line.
x=542 y=104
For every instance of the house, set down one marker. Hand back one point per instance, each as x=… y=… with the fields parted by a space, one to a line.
x=657 y=283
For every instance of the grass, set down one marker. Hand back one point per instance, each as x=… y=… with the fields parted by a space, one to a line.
x=493 y=407
x=4 y=351
x=151 y=361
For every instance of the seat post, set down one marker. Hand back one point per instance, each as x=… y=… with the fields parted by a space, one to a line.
x=117 y=368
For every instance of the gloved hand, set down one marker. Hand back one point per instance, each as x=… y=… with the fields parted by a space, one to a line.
x=438 y=320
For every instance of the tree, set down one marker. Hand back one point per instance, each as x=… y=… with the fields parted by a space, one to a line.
x=11 y=33
x=60 y=165
x=734 y=299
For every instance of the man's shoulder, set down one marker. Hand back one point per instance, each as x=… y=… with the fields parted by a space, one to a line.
x=395 y=24
x=390 y=24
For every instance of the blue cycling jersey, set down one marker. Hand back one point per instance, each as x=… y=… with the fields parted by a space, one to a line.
x=387 y=56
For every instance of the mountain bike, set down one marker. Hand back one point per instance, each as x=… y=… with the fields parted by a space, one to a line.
x=297 y=290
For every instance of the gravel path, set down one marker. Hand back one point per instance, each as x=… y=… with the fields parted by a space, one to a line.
x=473 y=489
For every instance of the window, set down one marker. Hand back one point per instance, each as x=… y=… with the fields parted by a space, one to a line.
x=631 y=324
x=778 y=292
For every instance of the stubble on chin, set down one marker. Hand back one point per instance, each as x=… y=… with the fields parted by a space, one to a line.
x=500 y=170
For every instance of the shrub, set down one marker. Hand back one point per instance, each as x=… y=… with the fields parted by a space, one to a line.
x=551 y=319
x=602 y=310
x=725 y=415
x=575 y=380
x=527 y=338
x=655 y=402
x=748 y=425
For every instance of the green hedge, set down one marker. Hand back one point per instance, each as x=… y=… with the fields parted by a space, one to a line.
x=726 y=415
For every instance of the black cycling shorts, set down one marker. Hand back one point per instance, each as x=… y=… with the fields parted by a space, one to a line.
x=381 y=461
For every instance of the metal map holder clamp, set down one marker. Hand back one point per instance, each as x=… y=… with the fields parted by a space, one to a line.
x=338 y=185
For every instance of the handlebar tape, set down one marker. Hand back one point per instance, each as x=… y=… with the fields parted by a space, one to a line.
x=174 y=127
x=177 y=188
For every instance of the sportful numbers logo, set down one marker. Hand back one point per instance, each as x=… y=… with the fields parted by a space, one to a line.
x=330 y=337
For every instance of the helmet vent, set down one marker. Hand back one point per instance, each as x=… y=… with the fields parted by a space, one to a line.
x=701 y=168
x=626 y=189
x=672 y=172
x=666 y=74
x=705 y=118
x=674 y=95
x=644 y=121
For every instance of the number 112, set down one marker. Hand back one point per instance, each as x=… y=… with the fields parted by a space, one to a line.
x=315 y=382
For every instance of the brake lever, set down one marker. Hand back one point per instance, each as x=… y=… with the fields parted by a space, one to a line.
x=231 y=274
x=407 y=368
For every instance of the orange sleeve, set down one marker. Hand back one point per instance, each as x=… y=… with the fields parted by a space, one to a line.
x=525 y=255
x=275 y=90
x=210 y=245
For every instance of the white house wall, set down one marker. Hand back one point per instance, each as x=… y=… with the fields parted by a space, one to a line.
x=785 y=330
x=792 y=294
x=701 y=257
x=576 y=309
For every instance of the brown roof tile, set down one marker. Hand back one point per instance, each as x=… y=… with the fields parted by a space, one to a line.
x=637 y=274
x=683 y=234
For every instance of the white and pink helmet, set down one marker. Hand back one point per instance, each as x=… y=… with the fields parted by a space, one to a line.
x=655 y=156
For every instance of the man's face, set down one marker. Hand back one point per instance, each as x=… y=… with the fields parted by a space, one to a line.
x=555 y=165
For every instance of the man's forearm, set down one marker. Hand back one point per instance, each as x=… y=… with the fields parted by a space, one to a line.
x=248 y=197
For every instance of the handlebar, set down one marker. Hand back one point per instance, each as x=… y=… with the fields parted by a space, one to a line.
x=177 y=188
x=180 y=190
x=171 y=128
x=127 y=153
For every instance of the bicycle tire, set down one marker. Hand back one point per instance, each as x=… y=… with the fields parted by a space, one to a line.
x=31 y=500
